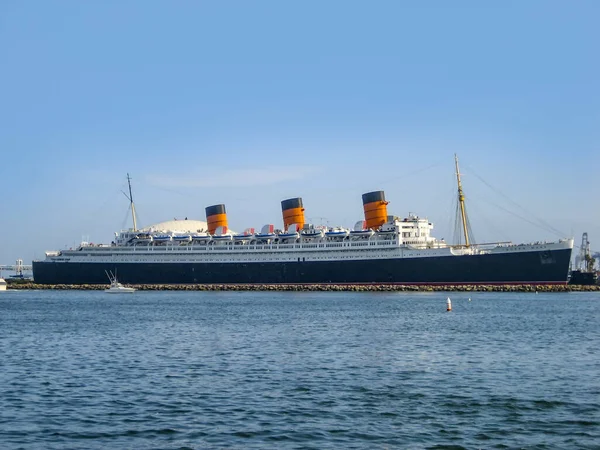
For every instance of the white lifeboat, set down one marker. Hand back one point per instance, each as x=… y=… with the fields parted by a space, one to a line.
x=246 y=236
x=359 y=230
x=291 y=233
x=182 y=238
x=222 y=234
x=266 y=232
x=201 y=237
x=312 y=232
x=336 y=233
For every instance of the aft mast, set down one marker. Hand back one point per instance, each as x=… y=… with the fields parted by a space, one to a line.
x=461 y=200
x=132 y=204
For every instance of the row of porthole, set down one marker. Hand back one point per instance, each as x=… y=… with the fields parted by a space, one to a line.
x=360 y=252
x=243 y=261
x=289 y=258
x=344 y=252
x=268 y=256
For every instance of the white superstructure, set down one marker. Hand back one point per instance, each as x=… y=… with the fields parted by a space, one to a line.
x=406 y=238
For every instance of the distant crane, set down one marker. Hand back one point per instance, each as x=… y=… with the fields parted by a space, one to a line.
x=584 y=261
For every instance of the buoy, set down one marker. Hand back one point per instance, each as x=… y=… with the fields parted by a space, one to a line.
x=448 y=305
x=469 y=298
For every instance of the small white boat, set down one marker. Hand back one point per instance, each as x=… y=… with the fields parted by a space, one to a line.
x=115 y=286
x=2 y=284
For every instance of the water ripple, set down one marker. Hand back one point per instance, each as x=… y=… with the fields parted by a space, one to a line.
x=235 y=370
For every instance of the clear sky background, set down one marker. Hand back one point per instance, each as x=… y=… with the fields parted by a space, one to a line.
x=248 y=103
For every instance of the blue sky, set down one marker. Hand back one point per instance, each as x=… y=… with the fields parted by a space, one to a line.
x=249 y=103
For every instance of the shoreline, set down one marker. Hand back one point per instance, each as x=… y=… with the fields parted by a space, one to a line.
x=314 y=287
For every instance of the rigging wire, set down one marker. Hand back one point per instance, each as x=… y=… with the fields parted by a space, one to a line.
x=406 y=175
x=489 y=223
x=548 y=228
x=451 y=217
x=541 y=223
x=127 y=215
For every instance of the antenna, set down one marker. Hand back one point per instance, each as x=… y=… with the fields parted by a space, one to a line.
x=461 y=199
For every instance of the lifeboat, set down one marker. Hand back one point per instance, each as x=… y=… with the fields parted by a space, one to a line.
x=248 y=235
x=223 y=237
x=361 y=230
x=362 y=233
x=312 y=233
x=291 y=233
x=222 y=234
x=336 y=233
x=201 y=237
x=295 y=235
x=386 y=232
x=267 y=232
x=265 y=236
x=186 y=238
x=243 y=237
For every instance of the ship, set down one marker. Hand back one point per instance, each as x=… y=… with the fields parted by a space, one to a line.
x=380 y=249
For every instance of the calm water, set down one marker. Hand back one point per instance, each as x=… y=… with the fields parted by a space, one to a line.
x=235 y=370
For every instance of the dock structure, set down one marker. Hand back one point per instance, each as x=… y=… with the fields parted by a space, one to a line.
x=18 y=268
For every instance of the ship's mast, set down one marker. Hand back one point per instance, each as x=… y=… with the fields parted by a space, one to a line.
x=461 y=200
x=132 y=204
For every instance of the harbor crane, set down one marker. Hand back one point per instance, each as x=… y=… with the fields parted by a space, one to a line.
x=584 y=261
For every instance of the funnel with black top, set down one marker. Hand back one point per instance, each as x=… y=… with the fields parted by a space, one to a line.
x=375 y=208
x=293 y=213
x=216 y=217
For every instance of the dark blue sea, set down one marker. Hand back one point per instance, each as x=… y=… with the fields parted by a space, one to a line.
x=283 y=370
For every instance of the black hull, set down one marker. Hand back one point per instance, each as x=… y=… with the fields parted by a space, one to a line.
x=581 y=278
x=536 y=267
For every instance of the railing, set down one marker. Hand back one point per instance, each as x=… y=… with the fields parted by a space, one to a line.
x=225 y=247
